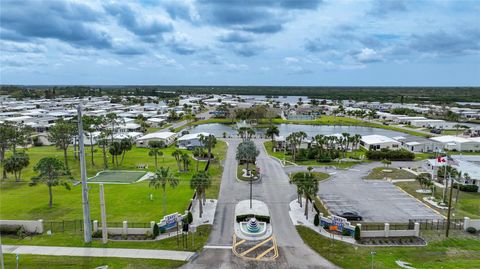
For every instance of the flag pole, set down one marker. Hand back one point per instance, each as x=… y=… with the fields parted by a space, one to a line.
x=87 y=229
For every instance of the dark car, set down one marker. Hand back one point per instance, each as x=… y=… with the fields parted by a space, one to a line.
x=351 y=216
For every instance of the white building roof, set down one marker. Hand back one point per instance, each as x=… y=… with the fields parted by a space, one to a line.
x=192 y=136
x=377 y=139
x=157 y=135
x=450 y=139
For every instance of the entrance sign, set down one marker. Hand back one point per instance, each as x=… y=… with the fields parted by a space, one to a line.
x=339 y=222
x=170 y=221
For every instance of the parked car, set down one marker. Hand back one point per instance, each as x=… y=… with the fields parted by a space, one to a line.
x=351 y=216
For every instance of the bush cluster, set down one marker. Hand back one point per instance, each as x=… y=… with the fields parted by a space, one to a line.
x=316 y=154
x=391 y=155
x=246 y=217
x=466 y=188
x=471 y=230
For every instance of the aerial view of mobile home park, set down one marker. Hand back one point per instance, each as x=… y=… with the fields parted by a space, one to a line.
x=239 y=134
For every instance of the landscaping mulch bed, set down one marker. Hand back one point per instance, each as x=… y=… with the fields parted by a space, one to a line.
x=392 y=241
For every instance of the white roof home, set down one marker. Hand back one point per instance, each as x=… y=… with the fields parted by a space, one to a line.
x=167 y=137
x=192 y=136
x=375 y=142
x=191 y=140
x=458 y=143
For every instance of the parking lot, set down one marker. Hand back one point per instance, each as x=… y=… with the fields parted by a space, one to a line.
x=374 y=200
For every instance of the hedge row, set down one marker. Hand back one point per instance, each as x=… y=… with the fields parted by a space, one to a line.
x=246 y=217
x=467 y=188
x=392 y=155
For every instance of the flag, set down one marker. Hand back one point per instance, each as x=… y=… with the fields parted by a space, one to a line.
x=451 y=161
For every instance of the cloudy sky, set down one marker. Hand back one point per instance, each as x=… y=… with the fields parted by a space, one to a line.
x=241 y=42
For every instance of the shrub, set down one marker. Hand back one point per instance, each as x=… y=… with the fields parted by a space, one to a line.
x=391 y=155
x=162 y=230
x=189 y=219
x=246 y=217
x=316 y=220
x=471 y=230
x=466 y=188
x=326 y=226
x=357 y=233
x=97 y=234
x=156 y=230
x=345 y=232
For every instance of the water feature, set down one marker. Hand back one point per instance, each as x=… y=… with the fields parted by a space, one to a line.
x=285 y=129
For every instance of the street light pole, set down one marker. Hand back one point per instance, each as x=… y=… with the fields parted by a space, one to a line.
x=373 y=254
x=87 y=229
x=251 y=181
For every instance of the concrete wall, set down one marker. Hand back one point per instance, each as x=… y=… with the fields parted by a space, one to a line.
x=475 y=223
x=386 y=232
x=30 y=226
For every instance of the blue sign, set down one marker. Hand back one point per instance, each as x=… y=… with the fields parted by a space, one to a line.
x=170 y=221
x=339 y=222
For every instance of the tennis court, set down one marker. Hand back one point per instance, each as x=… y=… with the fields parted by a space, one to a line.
x=118 y=177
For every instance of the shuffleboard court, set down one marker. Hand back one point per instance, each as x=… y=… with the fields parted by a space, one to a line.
x=118 y=177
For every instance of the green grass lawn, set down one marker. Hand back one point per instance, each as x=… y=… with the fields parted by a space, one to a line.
x=75 y=239
x=468 y=203
x=281 y=156
x=318 y=175
x=440 y=253
x=57 y=262
x=380 y=173
x=124 y=201
x=452 y=132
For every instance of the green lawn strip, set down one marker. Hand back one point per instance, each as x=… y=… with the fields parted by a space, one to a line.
x=318 y=175
x=240 y=168
x=280 y=155
x=449 y=253
x=395 y=173
x=129 y=202
x=53 y=262
x=75 y=239
x=468 y=203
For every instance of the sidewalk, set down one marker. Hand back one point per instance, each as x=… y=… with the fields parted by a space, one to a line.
x=208 y=212
x=99 y=252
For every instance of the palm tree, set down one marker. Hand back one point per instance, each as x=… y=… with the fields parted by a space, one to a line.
x=113 y=120
x=271 y=132
x=198 y=152
x=200 y=182
x=155 y=147
x=250 y=133
x=186 y=161
x=177 y=154
x=209 y=142
x=161 y=179
x=126 y=144
x=424 y=180
x=371 y=114
x=307 y=185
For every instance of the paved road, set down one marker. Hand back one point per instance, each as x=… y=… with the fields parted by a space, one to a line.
x=375 y=200
x=277 y=193
x=99 y=252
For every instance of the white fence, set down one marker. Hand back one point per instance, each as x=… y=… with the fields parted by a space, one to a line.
x=386 y=232
x=124 y=230
x=475 y=223
x=30 y=226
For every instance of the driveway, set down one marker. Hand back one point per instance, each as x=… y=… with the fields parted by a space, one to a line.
x=374 y=200
x=275 y=190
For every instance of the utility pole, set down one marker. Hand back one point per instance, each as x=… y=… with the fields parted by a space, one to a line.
x=449 y=206
x=251 y=182
x=87 y=229
x=1 y=254
x=104 y=215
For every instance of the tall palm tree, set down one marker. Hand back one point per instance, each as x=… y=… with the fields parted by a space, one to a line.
x=198 y=152
x=126 y=145
x=186 y=161
x=209 y=142
x=271 y=132
x=113 y=120
x=155 y=147
x=161 y=179
x=250 y=133
x=200 y=182
x=177 y=155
